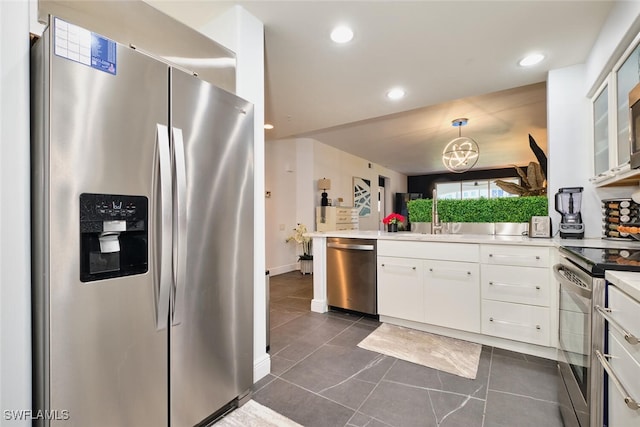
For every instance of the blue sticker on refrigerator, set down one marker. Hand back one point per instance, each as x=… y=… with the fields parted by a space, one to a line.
x=80 y=45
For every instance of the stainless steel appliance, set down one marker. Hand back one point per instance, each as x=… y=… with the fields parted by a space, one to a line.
x=142 y=237
x=568 y=202
x=352 y=275
x=540 y=226
x=580 y=273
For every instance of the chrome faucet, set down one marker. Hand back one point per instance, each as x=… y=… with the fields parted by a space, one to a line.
x=436 y=226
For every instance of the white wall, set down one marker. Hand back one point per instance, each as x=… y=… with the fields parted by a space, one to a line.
x=293 y=168
x=569 y=125
x=618 y=31
x=342 y=167
x=281 y=181
x=15 y=274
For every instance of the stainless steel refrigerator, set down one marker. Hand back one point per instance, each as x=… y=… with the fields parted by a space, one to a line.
x=142 y=183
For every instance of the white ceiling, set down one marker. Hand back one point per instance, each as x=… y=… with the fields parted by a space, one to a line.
x=448 y=55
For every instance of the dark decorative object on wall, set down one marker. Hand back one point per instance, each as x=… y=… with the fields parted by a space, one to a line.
x=534 y=182
x=542 y=158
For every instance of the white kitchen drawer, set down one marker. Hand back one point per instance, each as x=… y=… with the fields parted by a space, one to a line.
x=346 y=219
x=345 y=211
x=400 y=288
x=430 y=250
x=340 y=227
x=518 y=322
x=627 y=369
x=336 y=227
x=625 y=311
x=524 y=285
x=527 y=256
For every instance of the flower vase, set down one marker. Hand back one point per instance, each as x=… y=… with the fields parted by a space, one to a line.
x=392 y=228
x=306 y=266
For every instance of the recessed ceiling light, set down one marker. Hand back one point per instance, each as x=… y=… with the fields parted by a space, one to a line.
x=342 y=34
x=268 y=126
x=396 y=93
x=530 y=60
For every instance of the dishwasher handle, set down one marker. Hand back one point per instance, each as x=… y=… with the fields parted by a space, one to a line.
x=351 y=246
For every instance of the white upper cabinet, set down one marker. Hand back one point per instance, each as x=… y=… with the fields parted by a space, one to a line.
x=601 y=132
x=610 y=118
x=627 y=76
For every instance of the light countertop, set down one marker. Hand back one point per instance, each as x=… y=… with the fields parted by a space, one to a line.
x=476 y=238
x=627 y=281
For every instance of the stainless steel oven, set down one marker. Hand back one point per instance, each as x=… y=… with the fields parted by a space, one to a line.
x=581 y=334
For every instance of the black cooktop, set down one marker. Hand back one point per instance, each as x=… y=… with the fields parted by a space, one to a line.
x=597 y=260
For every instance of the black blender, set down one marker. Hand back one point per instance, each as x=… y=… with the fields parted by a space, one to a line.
x=568 y=202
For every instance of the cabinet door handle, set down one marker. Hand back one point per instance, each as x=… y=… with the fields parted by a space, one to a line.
x=628 y=336
x=628 y=400
x=398 y=265
x=450 y=271
x=522 y=325
x=509 y=285
x=537 y=257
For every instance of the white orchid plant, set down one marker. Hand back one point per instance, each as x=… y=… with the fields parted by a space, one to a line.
x=299 y=237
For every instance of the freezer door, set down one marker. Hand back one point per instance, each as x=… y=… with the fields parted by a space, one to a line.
x=212 y=333
x=98 y=353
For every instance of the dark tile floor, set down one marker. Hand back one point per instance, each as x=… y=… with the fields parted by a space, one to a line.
x=319 y=377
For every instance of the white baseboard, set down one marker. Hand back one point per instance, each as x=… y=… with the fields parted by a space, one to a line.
x=274 y=271
x=261 y=367
x=319 y=306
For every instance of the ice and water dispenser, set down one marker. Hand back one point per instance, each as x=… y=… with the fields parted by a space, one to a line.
x=113 y=236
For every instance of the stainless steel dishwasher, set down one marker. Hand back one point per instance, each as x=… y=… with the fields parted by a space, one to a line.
x=351 y=274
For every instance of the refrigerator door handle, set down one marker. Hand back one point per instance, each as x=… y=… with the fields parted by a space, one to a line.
x=180 y=238
x=163 y=288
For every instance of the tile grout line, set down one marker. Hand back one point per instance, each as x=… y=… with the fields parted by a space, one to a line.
x=525 y=396
x=372 y=390
x=486 y=395
x=309 y=355
x=437 y=390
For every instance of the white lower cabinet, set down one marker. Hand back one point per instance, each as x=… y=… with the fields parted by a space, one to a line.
x=624 y=358
x=400 y=288
x=501 y=291
x=516 y=293
x=519 y=322
x=452 y=294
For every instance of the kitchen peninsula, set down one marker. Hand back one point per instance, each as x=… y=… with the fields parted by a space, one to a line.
x=497 y=290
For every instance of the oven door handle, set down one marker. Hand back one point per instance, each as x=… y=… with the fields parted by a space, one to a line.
x=606 y=313
x=569 y=284
x=628 y=400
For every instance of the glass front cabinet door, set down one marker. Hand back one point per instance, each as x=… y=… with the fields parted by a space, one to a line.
x=610 y=115
x=627 y=76
x=601 y=132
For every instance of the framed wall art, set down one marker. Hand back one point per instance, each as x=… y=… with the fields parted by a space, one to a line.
x=362 y=196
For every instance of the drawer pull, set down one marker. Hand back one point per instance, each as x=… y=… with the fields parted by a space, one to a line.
x=628 y=336
x=509 y=285
x=537 y=257
x=450 y=271
x=628 y=400
x=505 y=322
x=398 y=265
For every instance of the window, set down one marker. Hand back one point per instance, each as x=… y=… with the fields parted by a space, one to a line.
x=486 y=188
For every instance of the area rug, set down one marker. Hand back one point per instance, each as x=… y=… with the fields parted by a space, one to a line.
x=434 y=351
x=253 y=414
